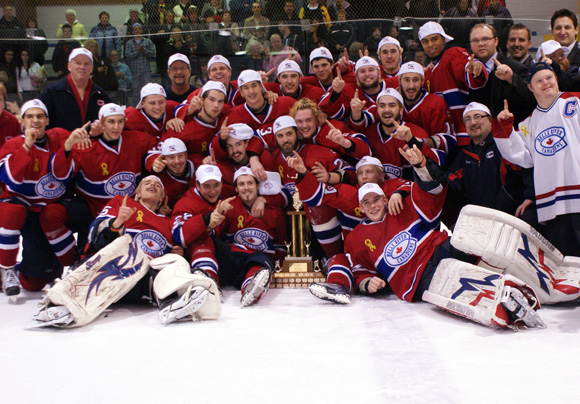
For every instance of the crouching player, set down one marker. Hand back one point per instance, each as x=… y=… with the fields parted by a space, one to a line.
x=420 y=262
x=129 y=237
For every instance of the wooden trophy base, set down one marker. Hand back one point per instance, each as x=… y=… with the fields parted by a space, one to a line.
x=296 y=273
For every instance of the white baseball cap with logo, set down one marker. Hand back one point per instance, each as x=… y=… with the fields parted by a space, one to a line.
x=218 y=59
x=33 y=104
x=80 y=52
x=243 y=171
x=321 y=52
x=365 y=61
x=289 y=66
x=389 y=40
x=430 y=28
x=368 y=160
x=110 y=109
x=369 y=188
x=173 y=145
x=548 y=48
x=283 y=122
x=272 y=185
x=247 y=76
x=206 y=172
x=391 y=92
x=178 y=57
x=476 y=106
x=151 y=89
x=214 y=85
x=240 y=131
x=411 y=67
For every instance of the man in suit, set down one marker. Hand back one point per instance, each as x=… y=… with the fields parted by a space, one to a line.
x=564 y=26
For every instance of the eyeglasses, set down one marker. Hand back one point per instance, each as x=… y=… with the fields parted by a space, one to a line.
x=474 y=118
x=484 y=40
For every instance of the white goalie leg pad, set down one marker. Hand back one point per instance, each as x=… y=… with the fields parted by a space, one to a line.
x=177 y=278
x=482 y=295
x=100 y=281
x=509 y=245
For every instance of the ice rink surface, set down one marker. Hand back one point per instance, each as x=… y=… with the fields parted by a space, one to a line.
x=289 y=348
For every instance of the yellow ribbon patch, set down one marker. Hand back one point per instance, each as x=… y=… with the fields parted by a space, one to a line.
x=240 y=222
x=140 y=216
x=36 y=168
x=369 y=244
x=525 y=130
x=204 y=146
x=281 y=171
x=357 y=212
x=105 y=167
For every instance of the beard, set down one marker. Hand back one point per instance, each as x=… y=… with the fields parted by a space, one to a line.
x=374 y=84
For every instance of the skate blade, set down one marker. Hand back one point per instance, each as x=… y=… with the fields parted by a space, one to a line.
x=321 y=293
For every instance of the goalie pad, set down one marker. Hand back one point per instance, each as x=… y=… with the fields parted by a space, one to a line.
x=483 y=296
x=511 y=246
x=176 y=277
x=100 y=281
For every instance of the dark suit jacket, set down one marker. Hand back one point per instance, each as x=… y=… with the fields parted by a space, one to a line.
x=574 y=58
x=520 y=99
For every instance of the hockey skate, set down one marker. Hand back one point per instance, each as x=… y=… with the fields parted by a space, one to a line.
x=257 y=287
x=52 y=316
x=518 y=307
x=10 y=283
x=333 y=292
x=185 y=306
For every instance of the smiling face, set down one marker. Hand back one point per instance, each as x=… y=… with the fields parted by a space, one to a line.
x=252 y=93
x=33 y=118
x=564 y=31
x=210 y=190
x=176 y=163
x=247 y=189
x=150 y=192
x=306 y=123
x=374 y=206
x=113 y=126
x=220 y=72
x=179 y=72
x=518 y=43
x=388 y=110
x=483 y=43
x=287 y=141
x=390 y=56
x=369 y=78
x=154 y=105
x=477 y=125
x=290 y=82
x=369 y=173
x=237 y=150
x=433 y=45
x=104 y=18
x=322 y=68
x=70 y=18
x=80 y=68
x=544 y=86
x=411 y=84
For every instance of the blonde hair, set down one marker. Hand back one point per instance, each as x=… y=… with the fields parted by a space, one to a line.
x=304 y=103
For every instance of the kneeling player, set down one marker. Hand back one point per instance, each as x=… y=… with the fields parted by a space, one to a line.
x=121 y=266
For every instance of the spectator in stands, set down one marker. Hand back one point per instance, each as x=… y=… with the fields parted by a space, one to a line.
x=157 y=12
x=483 y=5
x=279 y=52
x=179 y=70
x=502 y=21
x=291 y=39
x=564 y=25
x=313 y=11
x=62 y=50
x=421 y=58
x=231 y=28
x=519 y=44
x=180 y=9
x=458 y=21
x=315 y=38
x=214 y=10
x=198 y=80
x=124 y=77
x=255 y=59
x=241 y=9
x=78 y=29
x=30 y=76
x=423 y=11
x=334 y=6
x=257 y=19
x=66 y=100
x=341 y=34
x=103 y=74
x=37 y=46
x=8 y=66
x=290 y=15
x=9 y=20
x=106 y=35
x=160 y=41
x=372 y=42
x=175 y=44
x=134 y=18
x=260 y=37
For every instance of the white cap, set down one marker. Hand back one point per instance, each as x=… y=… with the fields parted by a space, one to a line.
x=365 y=61
x=368 y=160
x=240 y=131
x=247 y=76
x=243 y=171
x=272 y=185
x=289 y=66
x=206 y=172
x=390 y=92
x=218 y=59
x=476 y=106
x=283 y=122
x=110 y=109
x=33 y=104
x=173 y=145
x=151 y=89
x=430 y=28
x=388 y=40
x=548 y=48
x=80 y=51
x=321 y=52
x=178 y=57
x=155 y=178
x=368 y=189
x=411 y=67
x=214 y=85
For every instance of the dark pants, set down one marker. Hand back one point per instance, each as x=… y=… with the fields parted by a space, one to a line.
x=564 y=232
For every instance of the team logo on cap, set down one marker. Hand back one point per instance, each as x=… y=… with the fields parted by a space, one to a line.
x=323 y=52
x=172 y=149
x=241 y=80
x=49 y=187
x=550 y=141
x=209 y=170
x=122 y=183
x=365 y=62
x=288 y=65
x=253 y=238
x=278 y=125
x=151 y=242
x=400 y=249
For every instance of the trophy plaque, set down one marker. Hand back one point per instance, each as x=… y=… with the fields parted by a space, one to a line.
x=298 y=269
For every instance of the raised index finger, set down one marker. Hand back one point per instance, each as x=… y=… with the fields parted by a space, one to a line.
x=330 y=124
x=225 y=124
x=124 y=201
x=497 y=62
x=505 y=105
x=345 y=53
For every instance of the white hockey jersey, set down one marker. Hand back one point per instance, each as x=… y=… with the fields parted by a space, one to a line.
x=549 y=141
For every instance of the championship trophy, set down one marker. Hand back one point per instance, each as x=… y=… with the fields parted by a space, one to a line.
x=298 y=269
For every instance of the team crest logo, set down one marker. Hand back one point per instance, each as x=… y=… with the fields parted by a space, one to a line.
x=288 y=65
x=122 y=183
x=400 y=249
x=241 y=82
x=49 y=187
x=151 y=243
x=268 y=185
x=172 y=149
x=489 y=154
x=253 y=238
x=550 y=141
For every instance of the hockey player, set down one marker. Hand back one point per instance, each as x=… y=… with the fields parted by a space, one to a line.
x=392 y=133
x=548 y=141
x=24 y=169
x=451 y=74
x=390 y=54
x=289 y=75
x=153 y=112
x=325 y=70
x=121 y=266
x=409 y=253
x=109 y=165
